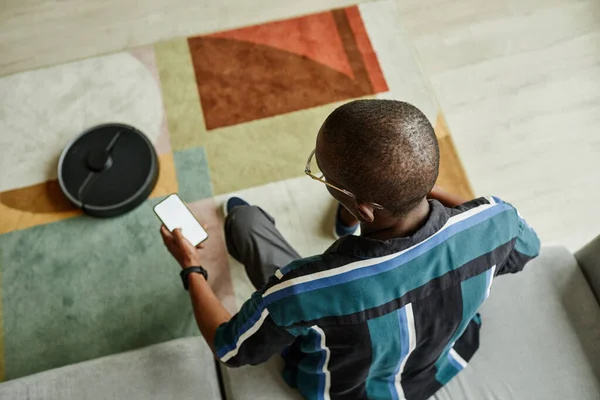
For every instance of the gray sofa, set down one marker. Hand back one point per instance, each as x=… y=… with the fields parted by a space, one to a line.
x=540 y=340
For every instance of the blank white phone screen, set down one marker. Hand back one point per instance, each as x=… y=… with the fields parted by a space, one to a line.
x=174 y=214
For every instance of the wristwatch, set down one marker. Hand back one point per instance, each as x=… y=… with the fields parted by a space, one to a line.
x=185 y=273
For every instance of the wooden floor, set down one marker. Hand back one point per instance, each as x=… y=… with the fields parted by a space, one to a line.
x=519 y=83
x=518 y=80
x=36 y=33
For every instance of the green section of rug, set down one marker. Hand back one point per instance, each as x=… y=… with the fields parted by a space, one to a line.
x=84 y=288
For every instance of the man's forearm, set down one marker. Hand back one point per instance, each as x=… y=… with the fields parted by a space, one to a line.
x=446 y=198
x=208 y=310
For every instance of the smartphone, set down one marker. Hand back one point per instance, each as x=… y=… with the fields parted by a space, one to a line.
x=174 y=213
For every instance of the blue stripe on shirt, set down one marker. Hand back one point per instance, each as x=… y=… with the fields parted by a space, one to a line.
x=390 y=264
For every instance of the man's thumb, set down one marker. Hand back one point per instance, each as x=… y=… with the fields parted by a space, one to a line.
x=177 y=233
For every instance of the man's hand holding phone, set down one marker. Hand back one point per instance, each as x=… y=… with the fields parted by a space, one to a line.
x=180 y=248
x=181 y=231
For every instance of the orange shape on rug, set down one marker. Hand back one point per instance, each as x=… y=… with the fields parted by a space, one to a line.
x=314 y=36
x=286 y=66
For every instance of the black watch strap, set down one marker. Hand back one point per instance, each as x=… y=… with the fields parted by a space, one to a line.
x=185 y=274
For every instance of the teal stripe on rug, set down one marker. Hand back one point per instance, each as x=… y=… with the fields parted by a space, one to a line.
x=193 y=177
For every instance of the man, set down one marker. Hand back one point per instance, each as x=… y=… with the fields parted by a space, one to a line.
x=389 y=314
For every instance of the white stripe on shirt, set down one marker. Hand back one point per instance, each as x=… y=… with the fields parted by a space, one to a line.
x=244 y=336
x=412 y=343
x=325 y=369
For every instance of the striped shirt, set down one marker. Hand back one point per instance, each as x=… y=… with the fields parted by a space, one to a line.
x=392 y=319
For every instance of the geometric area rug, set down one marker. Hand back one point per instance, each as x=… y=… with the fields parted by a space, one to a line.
x=226 y=112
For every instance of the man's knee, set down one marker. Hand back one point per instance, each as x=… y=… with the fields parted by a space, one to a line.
x=245 y=219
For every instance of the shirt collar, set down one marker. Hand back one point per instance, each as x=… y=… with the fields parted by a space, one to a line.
x=363 y=247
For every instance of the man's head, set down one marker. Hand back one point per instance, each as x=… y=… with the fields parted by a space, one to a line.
x=383 y=151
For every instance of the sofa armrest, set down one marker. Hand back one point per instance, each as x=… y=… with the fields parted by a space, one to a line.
x=588 y=258
x=180 y=369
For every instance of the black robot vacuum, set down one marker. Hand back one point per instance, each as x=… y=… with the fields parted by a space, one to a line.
x=108 y=170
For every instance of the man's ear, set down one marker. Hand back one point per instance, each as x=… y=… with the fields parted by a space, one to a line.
x=366 y=212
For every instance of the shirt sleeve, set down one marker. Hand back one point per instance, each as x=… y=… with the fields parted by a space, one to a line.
x=251 y=336
x=527 y=247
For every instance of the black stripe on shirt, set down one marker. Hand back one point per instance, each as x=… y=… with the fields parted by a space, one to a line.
x=468 y=206
x=433 y=333
x=423 y=385
x=428 y=325
x=468 y=343
x=349 y=361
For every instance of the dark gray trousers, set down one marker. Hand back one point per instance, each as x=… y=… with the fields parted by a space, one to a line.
x=254 y=241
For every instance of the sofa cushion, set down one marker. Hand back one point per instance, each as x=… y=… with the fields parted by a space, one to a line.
x=179 y=369
x=263 y=382
x=540 y=336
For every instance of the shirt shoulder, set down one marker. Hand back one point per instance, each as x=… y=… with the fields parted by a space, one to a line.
x=286 y=290
x=475 y=203
x=310 y=266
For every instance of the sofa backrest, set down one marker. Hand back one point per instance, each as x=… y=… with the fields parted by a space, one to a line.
x=589 y=261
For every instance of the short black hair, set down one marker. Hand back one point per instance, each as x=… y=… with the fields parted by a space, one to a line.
x=385 y=151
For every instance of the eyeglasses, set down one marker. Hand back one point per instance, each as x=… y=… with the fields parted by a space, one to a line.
x=321 y=178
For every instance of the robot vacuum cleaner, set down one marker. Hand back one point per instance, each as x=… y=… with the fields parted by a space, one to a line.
x=108 y=170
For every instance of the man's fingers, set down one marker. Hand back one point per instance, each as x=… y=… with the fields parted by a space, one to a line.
x=165 y=233
x=200 y=245
x=178 y=235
